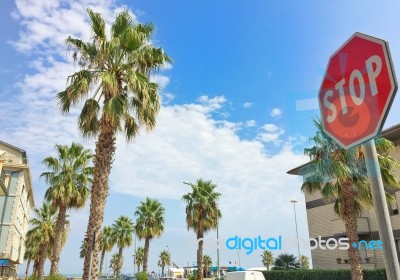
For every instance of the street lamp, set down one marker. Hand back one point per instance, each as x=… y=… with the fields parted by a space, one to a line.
x=168 y=263
x=295 y=220
x=217 y=210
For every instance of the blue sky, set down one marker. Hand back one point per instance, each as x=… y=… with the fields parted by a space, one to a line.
x=238 y=104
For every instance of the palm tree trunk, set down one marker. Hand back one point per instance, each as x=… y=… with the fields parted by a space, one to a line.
x=146 y=253
x=350 y=221
x=105 y=149
x=119 y=260
x=27 y=268
x=60 y=226
x=35 y=266
x=138 y=267
x=200 y=255
x=103 y=253
x=42 y=258
x=162 y=271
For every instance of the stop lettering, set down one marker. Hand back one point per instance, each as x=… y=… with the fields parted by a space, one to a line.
x=357 y=90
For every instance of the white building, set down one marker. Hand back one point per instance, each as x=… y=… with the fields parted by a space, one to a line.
x=16 y=202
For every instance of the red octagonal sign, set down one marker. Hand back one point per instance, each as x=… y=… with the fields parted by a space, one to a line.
x=357 y=90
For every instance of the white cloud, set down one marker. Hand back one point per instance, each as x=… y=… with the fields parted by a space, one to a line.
x=271 y=134
x=276 y=112
x=247 y=105
x=270 y=127
x=251 y=123
x=211 y=104
x=161 y=80
x=166 y=66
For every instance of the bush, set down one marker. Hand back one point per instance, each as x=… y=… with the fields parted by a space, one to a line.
x=312 y=274
x=55 y=277
x=142 y=276
x=33 y=277
x=191 y=276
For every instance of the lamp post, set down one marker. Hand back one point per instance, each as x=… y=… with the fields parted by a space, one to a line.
x=295 y=220
x=216 y=206
x=168 y=263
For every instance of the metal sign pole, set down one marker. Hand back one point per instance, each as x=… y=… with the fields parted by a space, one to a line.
x=381 y=210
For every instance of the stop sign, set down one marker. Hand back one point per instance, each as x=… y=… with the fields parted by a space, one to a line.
x=357 y=90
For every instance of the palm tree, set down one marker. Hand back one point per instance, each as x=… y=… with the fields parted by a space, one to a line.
x=122 y=230
x=267 y=259
x=82 y=249
x=107 y=242
x=286 y=262
x=116 y=263
x=304 y=262
x=119 y=97
x=43 y=231
x=207 y=261
x=31 y=251
x=149 y=224
x=202 y=214
x=139 y=257
x=68 y=177
x=340 y=175
x=165 y=259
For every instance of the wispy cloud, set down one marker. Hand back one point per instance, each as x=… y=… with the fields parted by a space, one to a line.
x=251 y=123
x=276 y=112
x=247 y=105
x=271 y=134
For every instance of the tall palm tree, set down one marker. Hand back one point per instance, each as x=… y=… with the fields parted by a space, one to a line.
x=122 y=230
x=31 y=251
x=165 y=259
x=267 y=259
x=341 y=175
x=43 y=231
x=304 y=262
x=116 y=263
x=69 y=177
x=149 y=224
x=202 y=214
x=82 y=250
x=286 y=262
x=139 y=257
x=107 y=242
x=207 y=261
x=119 y=97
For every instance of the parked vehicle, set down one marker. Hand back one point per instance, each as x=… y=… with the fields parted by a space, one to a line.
x=245 y=275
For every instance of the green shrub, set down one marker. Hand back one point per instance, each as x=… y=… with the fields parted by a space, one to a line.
x=142 y=276
x=313 y=274
x=55 y=277
x=191 y=276
x=33 y=277
x=375 y=274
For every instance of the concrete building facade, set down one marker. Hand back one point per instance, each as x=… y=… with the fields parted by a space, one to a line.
x=325 y=224
x=16 y=202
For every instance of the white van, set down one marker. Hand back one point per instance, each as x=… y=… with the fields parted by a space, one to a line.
x=245 y=275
